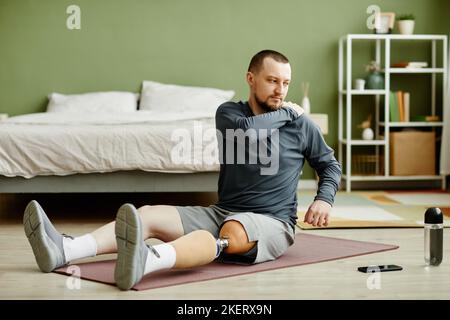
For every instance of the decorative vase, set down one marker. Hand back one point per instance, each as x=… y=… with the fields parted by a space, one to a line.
x=305 y=101
x=375 y=80
x=406 y=27
x=367 y=134
x=306 y=105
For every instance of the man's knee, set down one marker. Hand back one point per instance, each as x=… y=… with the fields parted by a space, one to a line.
x=238 y=242
x=161 y=221
x=156 y=209
x=144 y=209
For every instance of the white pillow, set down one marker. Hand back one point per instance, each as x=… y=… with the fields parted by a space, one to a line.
x=108 y=102
x=176 y=98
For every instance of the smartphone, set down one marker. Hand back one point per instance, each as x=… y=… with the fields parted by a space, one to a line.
x=381 y=268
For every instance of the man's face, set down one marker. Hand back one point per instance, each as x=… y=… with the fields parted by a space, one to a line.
x=269 y=86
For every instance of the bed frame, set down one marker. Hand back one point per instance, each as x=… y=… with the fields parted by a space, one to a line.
x=121 y=181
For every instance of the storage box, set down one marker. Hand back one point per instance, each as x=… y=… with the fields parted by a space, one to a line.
x=412 y=153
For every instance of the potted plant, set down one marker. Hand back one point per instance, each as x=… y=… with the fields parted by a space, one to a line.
x=406 y=24
x=374 y=79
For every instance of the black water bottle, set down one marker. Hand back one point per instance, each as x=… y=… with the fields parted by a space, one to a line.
x=434 y=236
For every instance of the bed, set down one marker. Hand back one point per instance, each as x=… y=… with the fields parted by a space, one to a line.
x=162 y=139
x=141 y=151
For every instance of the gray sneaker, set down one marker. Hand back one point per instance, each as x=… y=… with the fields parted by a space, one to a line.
x=45 y=240
x=132 y=251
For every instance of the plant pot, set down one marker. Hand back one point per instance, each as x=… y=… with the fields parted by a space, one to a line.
x=406 y=27
x=375 y=81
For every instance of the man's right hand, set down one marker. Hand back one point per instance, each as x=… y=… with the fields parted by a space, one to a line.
x=293 y=106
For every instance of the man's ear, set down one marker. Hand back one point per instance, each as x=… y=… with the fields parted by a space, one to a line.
x=250 y=78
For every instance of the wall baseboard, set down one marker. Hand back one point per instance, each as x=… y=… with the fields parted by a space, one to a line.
x=392 y=185
x=311 y=184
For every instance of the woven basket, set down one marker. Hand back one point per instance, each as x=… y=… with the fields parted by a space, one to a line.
x=366 y=164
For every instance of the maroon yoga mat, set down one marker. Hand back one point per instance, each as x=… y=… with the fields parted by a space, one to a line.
x=307 y=249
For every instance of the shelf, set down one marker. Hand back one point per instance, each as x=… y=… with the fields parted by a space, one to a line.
x=379 y=156
x=364 y=92
x=394 y=36
x=413 y=124
x=390 y=178
x=364 y=142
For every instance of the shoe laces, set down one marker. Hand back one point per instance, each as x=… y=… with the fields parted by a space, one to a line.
x=67 y=236
x=153 y=250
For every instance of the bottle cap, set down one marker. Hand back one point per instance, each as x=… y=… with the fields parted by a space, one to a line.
x=434 y=216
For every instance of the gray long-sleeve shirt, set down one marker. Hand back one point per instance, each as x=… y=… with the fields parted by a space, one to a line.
x=269 y=185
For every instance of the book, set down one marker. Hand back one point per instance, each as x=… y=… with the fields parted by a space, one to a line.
x=400 y=106
x=417 y=65
x=406 y=107
x=393 y=107
x=425 y=118
x=399 y=65
x=410 y=64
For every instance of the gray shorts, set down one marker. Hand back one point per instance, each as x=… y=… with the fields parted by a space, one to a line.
x=273 y=236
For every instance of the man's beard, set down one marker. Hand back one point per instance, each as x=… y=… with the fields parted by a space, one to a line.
x=266 y=107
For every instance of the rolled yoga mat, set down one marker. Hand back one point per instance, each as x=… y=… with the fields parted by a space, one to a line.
x=307 y=249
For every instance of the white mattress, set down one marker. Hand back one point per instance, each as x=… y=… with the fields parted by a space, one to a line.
x=63 y=144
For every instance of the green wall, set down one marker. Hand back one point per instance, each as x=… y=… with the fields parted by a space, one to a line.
x=197 y=42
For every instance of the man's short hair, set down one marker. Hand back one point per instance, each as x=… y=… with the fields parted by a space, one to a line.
x=257 y=60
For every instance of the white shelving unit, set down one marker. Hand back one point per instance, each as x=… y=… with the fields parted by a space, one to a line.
x=383 y=125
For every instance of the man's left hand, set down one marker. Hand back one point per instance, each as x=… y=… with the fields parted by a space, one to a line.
x=318 y=213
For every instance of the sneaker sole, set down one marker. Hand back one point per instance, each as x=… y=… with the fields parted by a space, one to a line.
x=129 y=237
x=43 y=247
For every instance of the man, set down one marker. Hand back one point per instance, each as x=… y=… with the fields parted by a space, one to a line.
x=254 y=219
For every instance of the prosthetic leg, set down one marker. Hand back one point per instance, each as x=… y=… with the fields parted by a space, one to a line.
x=222 y=243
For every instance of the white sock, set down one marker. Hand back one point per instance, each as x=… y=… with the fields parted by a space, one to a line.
x=79 y=247
x=166 y=260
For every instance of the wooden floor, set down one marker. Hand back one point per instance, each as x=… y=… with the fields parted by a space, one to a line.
x=21 y=279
